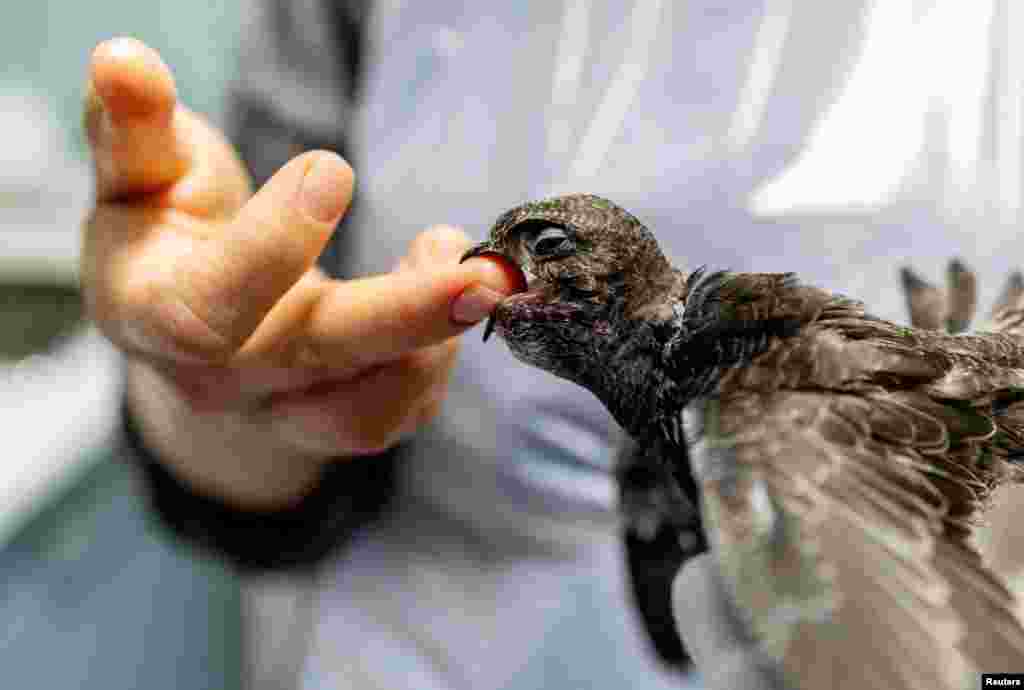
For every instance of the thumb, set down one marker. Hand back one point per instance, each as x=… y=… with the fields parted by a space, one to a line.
x=233 y=279
x=130 y=119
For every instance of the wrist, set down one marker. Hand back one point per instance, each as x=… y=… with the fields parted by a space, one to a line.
x=220 y=453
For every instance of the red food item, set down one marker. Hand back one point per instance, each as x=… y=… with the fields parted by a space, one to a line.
x=509 y=268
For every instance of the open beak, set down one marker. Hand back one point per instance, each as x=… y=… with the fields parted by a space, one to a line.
x=489 y=328
x=486 y=249
x=480 y=250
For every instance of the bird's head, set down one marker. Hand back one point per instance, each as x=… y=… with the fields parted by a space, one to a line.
x=588 y=269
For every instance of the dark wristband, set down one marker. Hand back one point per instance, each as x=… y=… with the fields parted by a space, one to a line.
x=350 y=493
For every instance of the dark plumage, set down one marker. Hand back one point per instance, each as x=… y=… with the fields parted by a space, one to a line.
x=834 y=462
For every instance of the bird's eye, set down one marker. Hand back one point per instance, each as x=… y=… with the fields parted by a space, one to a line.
x=549 y=241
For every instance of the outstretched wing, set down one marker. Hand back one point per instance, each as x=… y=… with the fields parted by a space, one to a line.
x=833 y=518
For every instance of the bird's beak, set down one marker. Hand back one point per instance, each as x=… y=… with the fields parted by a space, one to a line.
x=479 y=250
x=483 y=249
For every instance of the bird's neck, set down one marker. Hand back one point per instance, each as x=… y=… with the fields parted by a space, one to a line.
x=677 y=350
x=632 y=374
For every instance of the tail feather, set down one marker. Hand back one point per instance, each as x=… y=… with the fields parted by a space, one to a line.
x=1008 y=313
x=925 y=302
x=961 y=296
x=951 y=309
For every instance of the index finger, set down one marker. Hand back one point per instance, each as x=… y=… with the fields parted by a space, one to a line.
x=366 y=321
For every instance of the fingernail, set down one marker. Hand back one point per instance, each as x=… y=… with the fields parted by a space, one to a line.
x=474 y=304
x=321 y=196
x=124 y=48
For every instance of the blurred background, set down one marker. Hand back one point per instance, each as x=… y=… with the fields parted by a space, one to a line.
x=92 y=593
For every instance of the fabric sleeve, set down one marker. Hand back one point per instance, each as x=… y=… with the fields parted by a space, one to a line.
x=351 y=492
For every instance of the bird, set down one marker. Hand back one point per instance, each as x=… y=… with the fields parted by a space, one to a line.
x=835 y=464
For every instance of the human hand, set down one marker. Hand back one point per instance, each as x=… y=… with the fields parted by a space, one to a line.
x=722 y=650
x=248 y=367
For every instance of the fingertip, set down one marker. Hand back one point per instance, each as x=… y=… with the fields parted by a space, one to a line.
x=326 y=188
x=131 y=80
x=312 y=190
x=490 y=283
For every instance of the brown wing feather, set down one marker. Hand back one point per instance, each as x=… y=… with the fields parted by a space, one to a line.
x=836 y=546
x=841 y=473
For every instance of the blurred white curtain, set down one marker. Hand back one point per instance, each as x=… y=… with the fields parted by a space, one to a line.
x=932 y=110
